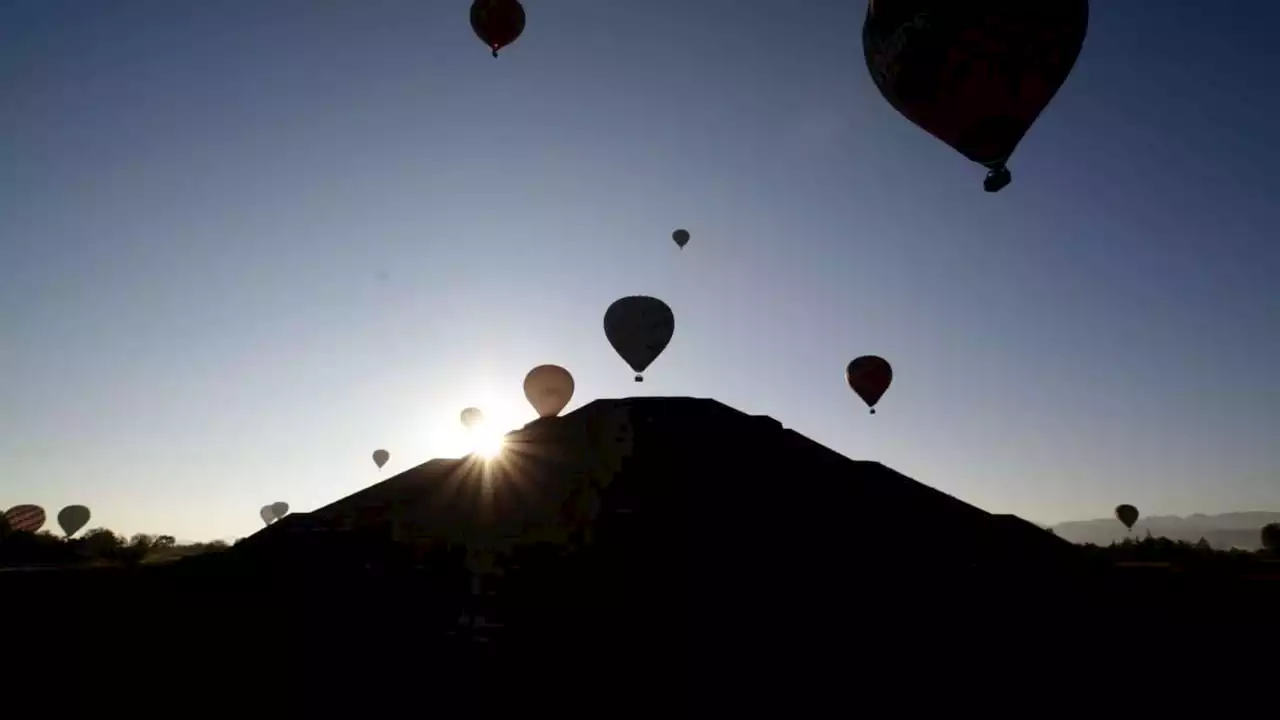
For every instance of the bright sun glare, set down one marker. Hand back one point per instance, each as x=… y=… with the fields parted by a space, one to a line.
x=487 y=442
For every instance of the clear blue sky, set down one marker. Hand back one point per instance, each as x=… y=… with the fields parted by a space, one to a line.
x=245 y=243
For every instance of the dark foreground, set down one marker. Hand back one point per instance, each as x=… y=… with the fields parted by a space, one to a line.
x=644 y=577
x=578 y=640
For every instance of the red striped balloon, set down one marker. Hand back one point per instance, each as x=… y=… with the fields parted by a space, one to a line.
x=26 y=518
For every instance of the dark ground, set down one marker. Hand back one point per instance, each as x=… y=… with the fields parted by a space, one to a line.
x=586 y=640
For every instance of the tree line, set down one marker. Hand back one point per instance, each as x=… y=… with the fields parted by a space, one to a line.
x=99 y=546
x=1155 y=549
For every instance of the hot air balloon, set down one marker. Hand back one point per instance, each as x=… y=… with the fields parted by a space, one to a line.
x=497 y=22
x=279 y=510
x=548 y=389
x=869 y=376
x=25 y=518
x=471 y=417
x=975 y=75
x=639 y=329
x=267 y=515
x=681 y=237
x=72 y=518
x=380 y=458
x=1127 y=514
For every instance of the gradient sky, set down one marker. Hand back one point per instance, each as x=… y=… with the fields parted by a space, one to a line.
x=245 y=243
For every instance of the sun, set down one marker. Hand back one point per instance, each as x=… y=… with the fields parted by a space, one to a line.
x=487 y=442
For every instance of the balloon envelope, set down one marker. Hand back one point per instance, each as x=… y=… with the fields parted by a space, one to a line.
x=266 y=514
x=548 y=388
x=472 y=417
x=1127 y=514
x=975 y=75
x=497 y=22
x=869 y=376
x=72 y=518
x=380 y=458
x=681 y=237
x=279 y=509
x=639 y=328
x=25 y=518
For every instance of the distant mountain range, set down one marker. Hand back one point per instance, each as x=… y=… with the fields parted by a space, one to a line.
x=1238 y=529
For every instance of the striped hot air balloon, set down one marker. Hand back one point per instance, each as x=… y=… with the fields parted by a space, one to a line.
x=25 y=518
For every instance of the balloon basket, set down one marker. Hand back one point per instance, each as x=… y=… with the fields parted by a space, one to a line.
x=639 y=379
x=997 y=179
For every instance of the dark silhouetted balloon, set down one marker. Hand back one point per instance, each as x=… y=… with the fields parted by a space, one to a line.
x=869 y=376
x=497 y=22
x=1127 y=514
x=72 y=518
x=25 y=518
x=639 y=328
x=974 y=74
x=279 y=510
x=681 y=237
x=548 y=388
x=380 y=458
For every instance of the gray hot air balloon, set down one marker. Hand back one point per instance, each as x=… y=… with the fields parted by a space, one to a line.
x=279 y=510
x=472 y=417
x=266 y=514
x=639 y=328
x=681 y=237
x=548 y=389
x=25 y=518
x=380 y=458
x=72 y=518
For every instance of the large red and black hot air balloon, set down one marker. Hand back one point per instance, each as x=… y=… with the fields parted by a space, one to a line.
x=497 y=22
x=869 y=376
x=973 y=73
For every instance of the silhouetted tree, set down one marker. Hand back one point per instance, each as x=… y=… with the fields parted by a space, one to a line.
x=100 y=543
x=1271 y=537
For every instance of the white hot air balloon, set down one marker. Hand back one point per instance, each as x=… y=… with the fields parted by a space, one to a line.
x=73 y=518
x=279 y=510
x=380 y=458
x=471 y=417
x=639 y=328
x=267 y=515
x=548 y=388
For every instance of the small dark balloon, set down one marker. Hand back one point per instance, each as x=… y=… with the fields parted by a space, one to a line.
x=1127 y=514
x=869 y=376
x=497 y=23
